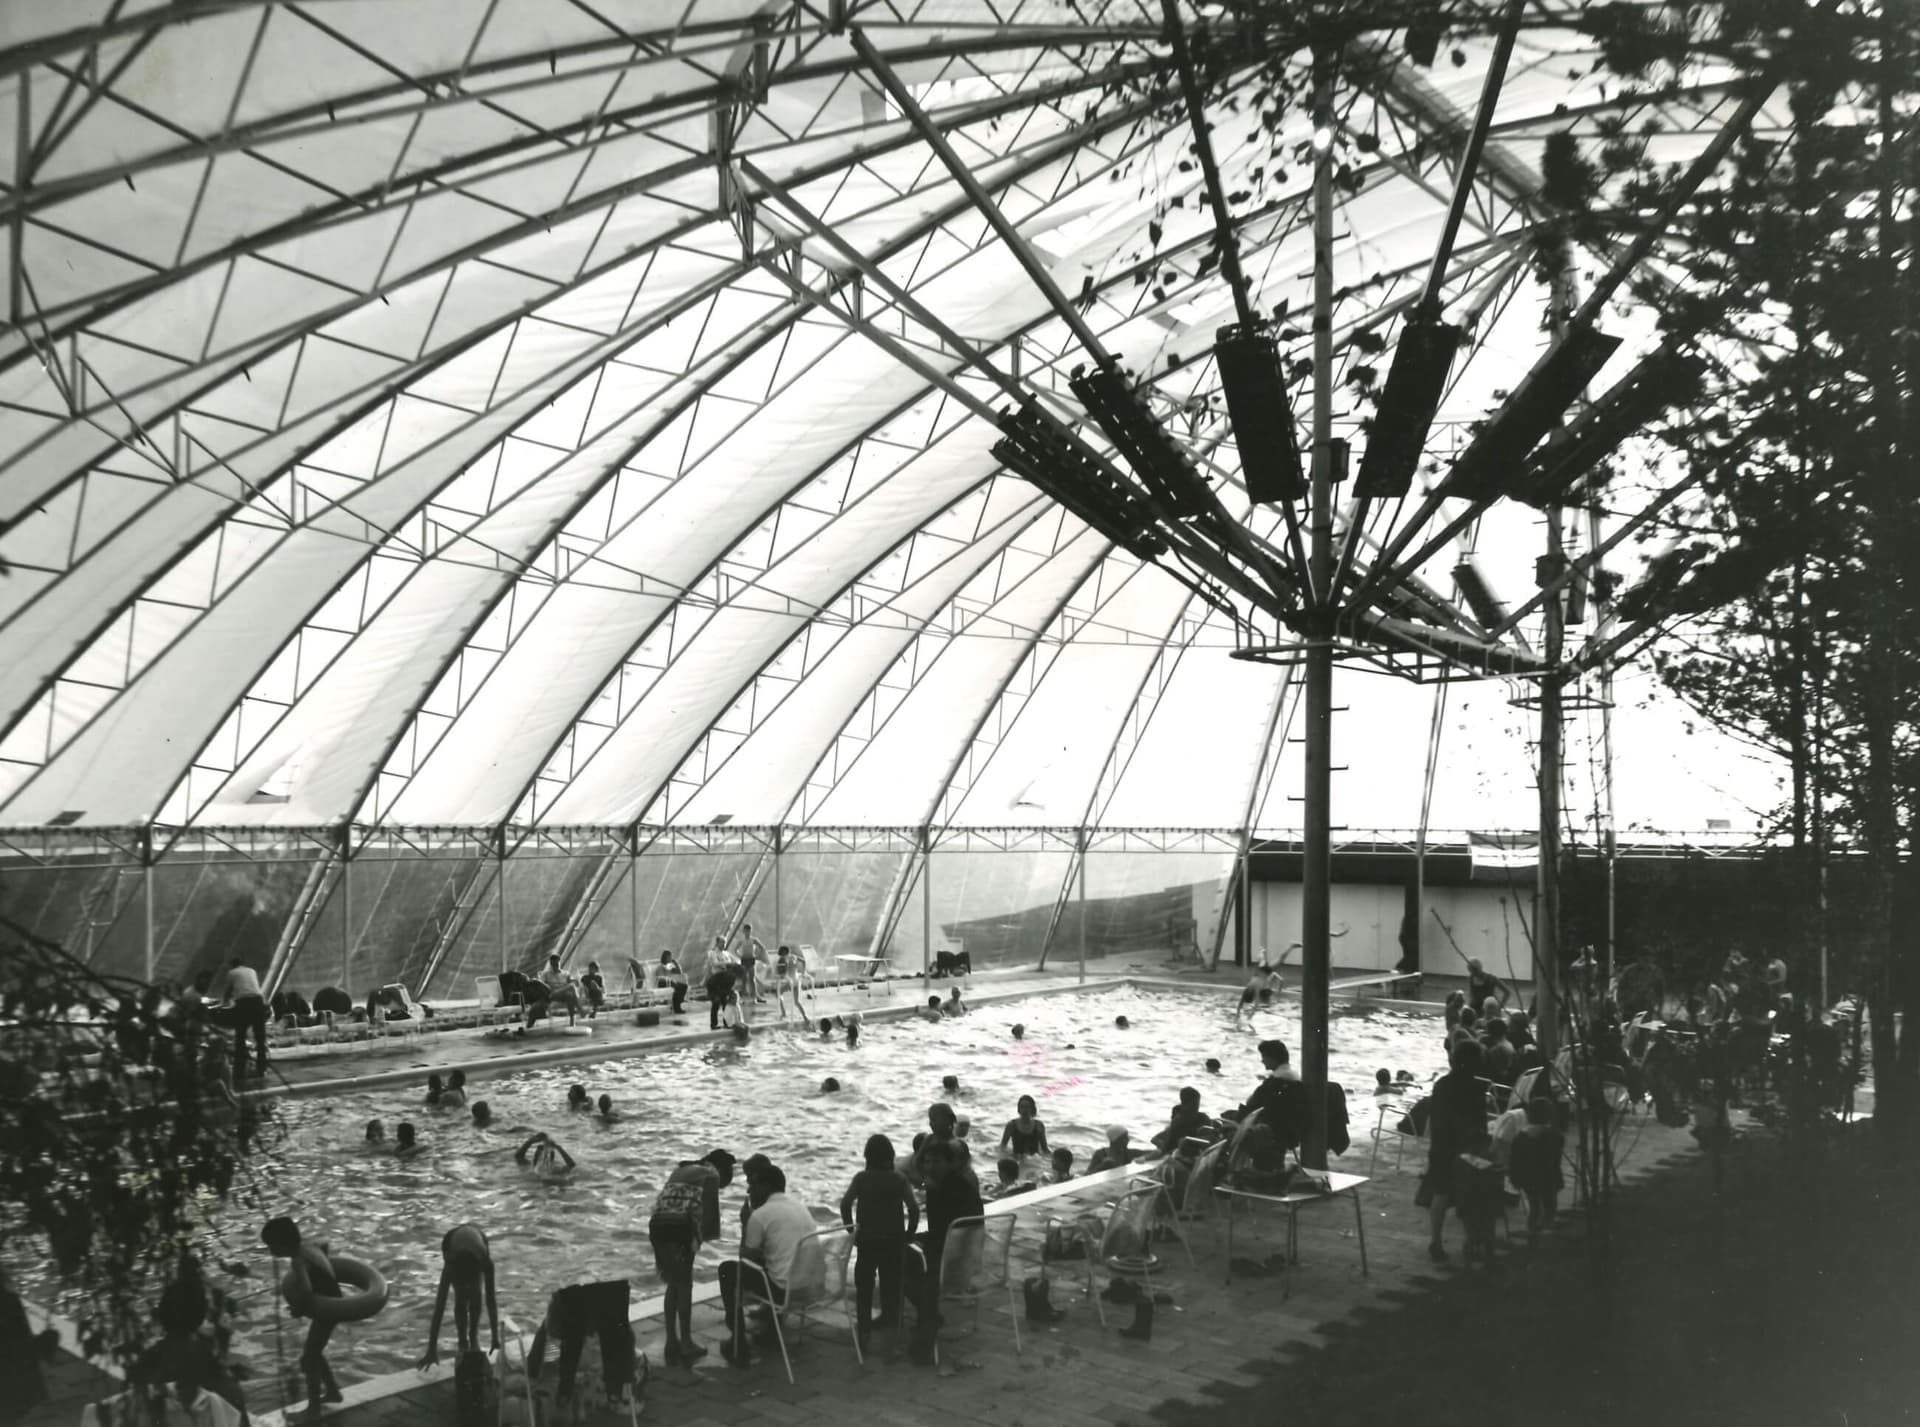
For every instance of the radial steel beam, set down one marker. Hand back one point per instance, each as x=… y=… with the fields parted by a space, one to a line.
x=972 y=187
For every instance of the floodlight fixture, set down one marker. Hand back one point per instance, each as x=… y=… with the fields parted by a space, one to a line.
x=1036 y=448
x=1664 y=379
x=1495 y=463
x=1160 y=462
x=1479 y=595
x=1255 y=385
x=1404 y=416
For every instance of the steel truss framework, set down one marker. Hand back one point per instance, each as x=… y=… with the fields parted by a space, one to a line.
x=532 y=431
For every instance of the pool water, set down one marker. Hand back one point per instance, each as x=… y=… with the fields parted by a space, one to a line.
x=762 y=1097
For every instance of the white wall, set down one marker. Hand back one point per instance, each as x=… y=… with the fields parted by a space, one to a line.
x=1366 y=925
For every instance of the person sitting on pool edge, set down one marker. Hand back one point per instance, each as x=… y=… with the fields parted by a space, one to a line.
x=1186 y=1122
x=1116 y=1152
x=466 y=1267
x=1007 y=1180
x=312 y=1273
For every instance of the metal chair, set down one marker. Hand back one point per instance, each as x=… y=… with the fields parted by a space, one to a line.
x=1126 y=1241
x=492 y=1002
x=819 y=1280
x=976 y=1259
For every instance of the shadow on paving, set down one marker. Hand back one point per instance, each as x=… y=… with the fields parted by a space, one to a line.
x=1792 y=1299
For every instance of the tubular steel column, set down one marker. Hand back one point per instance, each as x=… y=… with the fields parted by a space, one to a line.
x=346 y=908
x=500 y=895
x=926 y=907
x=633 y=893
x=1317 y=864
x=1082 y=938
x=1546 y=912
x=777 y=939
x=146 y=877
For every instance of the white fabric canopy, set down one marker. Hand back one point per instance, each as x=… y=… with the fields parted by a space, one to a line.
x=415 y=415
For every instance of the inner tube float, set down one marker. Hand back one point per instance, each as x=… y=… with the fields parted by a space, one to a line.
x=363 y=1293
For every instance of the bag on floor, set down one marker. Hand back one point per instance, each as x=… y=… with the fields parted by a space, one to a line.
x=473 y=1389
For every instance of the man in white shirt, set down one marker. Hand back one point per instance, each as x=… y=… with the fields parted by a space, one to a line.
x=246 y=1011
x=772 y=1240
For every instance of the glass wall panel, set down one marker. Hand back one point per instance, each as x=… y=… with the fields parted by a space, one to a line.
x=832 y=901
x=1151 y=908
x=993 y=905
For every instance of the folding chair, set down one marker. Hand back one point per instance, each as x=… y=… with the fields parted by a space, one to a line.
x=1196 y=1192
x=805 y=957
x=819 y=1280
x=975 y=1260
x=1126 y=1241
x=492 y=1002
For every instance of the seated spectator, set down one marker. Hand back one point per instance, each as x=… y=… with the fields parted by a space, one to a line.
x=771 y=1241
x=594 y=987
x=952 y=963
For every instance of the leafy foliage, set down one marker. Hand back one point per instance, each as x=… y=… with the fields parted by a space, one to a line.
x=119 y=1131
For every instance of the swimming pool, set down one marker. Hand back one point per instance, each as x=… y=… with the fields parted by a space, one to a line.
x=762 y=1097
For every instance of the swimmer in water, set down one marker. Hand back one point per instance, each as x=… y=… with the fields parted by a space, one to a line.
x=577 y=1099
x=456 y=1091
x=404 y=1143
x=825 y=1028
x=829 y=1086
x=950 y=1084
x=466 y=1266
x=1019 y=1031
x=549 y=1159
x=436 y=1092
x=607 y=1114
x=482 y=1114
x=376 y=1135
x=1259 y=993
x=1121 y=1023
x=930 y=1011
x=853 y=1030
x=1213 y=1066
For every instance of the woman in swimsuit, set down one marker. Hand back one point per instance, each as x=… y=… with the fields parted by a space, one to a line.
x=1024 y=1135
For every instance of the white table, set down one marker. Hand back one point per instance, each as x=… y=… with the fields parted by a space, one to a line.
x=875 y=966
x=1337 y=1185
